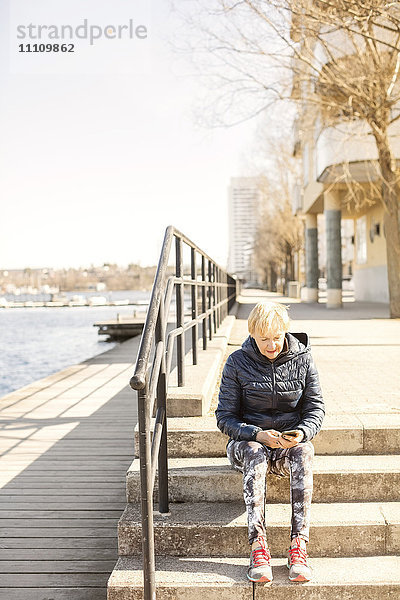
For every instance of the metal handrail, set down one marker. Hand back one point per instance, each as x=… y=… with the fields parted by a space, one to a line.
x=154 y=363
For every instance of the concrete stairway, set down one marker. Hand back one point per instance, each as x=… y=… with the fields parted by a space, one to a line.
x=202 y=544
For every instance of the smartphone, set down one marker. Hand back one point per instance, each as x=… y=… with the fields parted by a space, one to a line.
x=290 y=434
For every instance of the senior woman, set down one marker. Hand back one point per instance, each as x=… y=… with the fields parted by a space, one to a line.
x=270 y=405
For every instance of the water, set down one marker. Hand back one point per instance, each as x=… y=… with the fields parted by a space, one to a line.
x=37 y=342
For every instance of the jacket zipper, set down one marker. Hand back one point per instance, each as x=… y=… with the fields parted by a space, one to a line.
x=273 y=387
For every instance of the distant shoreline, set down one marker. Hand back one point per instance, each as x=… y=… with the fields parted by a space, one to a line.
x=69 y=304
x=77 y=299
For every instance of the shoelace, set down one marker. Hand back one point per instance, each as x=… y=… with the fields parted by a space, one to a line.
x=298 y=555
x=261 y=555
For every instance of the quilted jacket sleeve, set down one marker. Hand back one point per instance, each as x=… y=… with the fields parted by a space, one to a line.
x=228 y=412
x=313 y=409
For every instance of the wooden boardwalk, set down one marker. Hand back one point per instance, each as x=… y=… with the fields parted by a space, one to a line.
x=65 y=444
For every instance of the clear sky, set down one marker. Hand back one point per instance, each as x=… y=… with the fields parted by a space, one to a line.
x=96 y=161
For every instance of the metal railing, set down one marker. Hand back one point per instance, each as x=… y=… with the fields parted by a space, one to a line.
x=154 y=362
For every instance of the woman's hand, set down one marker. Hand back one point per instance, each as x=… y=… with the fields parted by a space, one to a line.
x=292 y=441
x=274 y=439
x=270 y=438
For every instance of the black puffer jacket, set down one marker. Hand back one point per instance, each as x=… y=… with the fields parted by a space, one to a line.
x=257 y=394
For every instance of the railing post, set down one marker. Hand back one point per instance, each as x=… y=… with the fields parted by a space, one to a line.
x=195 y=329
x=225 y=294
x=215 y=316
x=204 y=301
x=163 y=505
x=180 y=313
x=228 y=293
x=218 y=296
x=149 y=567
x=210 y=291
x=232 y=289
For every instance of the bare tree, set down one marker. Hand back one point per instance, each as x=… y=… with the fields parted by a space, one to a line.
x=279 y=238
x=338 y=59
x=280 y=233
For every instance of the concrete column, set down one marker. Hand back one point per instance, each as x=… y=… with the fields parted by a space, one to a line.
x=311 y=258
x=333 y=214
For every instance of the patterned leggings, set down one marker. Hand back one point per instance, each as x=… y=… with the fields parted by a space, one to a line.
x=255 y=460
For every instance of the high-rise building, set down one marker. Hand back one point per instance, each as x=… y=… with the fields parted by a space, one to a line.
x=243 y=208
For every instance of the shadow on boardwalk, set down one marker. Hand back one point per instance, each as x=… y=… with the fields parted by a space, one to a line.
x=66 y=443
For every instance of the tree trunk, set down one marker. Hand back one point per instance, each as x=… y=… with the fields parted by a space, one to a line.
x=266 y=278
x=392 y=233
x=291 y=258
x=286 y=275
x=390 y=199
x=273 y=280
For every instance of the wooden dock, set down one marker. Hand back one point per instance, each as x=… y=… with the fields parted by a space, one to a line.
x=65 y=444
x=121 y=328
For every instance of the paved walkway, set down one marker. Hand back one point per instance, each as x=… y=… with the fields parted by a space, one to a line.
x=356 y=350
x=65 y=444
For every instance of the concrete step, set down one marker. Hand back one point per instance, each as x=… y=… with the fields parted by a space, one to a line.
x=213 y=529
x=368 y=578
x=344 y=479
x=341 y=434
x=194 y=398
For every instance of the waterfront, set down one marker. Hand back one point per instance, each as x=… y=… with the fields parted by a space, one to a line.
x=39 y=341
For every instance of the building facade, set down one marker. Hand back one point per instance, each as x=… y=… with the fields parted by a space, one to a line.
x=340 y=166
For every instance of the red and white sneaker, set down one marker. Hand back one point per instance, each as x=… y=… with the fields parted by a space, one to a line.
x=299 y=569
x=260 y=565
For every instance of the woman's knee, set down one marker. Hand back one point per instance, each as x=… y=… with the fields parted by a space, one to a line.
x=253 y=446
x=246 y=453
x=302 y=450
x=254 y=452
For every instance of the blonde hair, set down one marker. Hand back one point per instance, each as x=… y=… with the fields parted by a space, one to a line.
x=268 y=318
